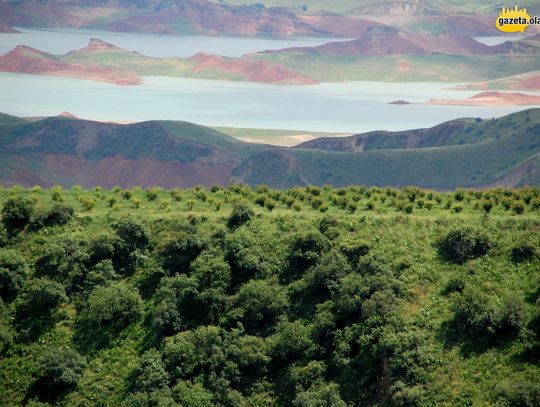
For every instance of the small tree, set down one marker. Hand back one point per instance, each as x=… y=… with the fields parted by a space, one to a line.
x=60 y=370
x=16 y=213
x=240 y=215
x=464 y=244
x=36 y=306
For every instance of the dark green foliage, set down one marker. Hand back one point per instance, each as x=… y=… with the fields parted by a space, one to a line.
x=37 y=305
x=13 y=270
x=485 y=318
x=59 y=371
x=109 y=310
x=461 y=245
x=258 y=305
x=16 y=213
x=523 y=252
x=151 y=374
x=177 y=253
x=292 y=308
x=133 y=234
x=240 y=215
x=306 y=249
x=65 y=262
x=59 y=214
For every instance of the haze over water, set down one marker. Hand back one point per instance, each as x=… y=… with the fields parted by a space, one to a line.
x=334 y=107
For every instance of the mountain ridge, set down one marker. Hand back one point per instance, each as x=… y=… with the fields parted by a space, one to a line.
x=458 y=153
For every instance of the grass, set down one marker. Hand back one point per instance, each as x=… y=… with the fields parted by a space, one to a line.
x=284 y=138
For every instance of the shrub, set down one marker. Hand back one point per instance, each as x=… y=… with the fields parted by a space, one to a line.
x=523 y=252
x=134 y=234
x=306 y=249
x=487 y=205
x=59 y=370
x=36 y=306
x=113 y=307
x=151 y=374
x=13 y=269
x=177 y=253
x=16 y=213
x=193 y=395
x=59 y=214
x=457 y=208
x=461 y=245
x=152 y=194
x=518 y=207
x=240 y=215
x=479 y=315
x=87 y=202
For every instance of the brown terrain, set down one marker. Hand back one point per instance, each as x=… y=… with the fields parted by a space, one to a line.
x=25 y=59
x=28 y=60
x=524 y=81
x=490 y=99
x=255 y=71
x=384 y=40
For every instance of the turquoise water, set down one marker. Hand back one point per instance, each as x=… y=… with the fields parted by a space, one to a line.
x=61 y=41
x=338 y=107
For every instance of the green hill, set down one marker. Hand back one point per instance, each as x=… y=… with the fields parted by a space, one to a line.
x=459 y=153
x=247 y=297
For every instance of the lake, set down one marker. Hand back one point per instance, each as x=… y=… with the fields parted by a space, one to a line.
x=61 y=41
x=333 y=107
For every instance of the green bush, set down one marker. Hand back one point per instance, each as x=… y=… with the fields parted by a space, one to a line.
x=16 y=213
x=36 y=307
x=240 y=215
x=113 y=308
x=461 y=245
x=523 y=252
x=59 y=371
x=151 y=374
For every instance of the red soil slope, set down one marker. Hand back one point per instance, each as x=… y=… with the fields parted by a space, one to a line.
x=29 y=60
x=256 y=71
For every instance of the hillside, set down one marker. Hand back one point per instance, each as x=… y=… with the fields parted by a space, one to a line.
x=248 y=297
x=104 y=62
x=67 y=151
x=383 y=40
x=381 y=54
x=274 y=17
x=459 y=153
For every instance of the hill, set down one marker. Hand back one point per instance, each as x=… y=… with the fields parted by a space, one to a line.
x=67 y=151
x=384 y=40
x=105 y=62
x=252 y=297
x=459 y=153
x=381 y=54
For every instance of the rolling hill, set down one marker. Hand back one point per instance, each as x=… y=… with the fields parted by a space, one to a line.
x=380 y=54
x=459 y=153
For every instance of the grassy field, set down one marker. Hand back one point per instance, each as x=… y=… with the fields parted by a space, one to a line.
x=250 y=297
x=284 y=138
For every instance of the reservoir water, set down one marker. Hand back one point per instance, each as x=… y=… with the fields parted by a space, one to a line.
x=334 y=107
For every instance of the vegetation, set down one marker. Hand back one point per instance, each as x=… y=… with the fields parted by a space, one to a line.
x=327 y=297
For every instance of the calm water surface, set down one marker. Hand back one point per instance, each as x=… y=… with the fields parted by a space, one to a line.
x=343 y=107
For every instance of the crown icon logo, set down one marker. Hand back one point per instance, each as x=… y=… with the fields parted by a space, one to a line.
x=512 y=20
